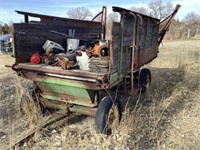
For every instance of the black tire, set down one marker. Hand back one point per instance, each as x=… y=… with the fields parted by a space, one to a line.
x=144 y=79
x=108 y=109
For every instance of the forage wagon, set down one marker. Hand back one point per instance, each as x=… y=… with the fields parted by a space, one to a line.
x=72 y=62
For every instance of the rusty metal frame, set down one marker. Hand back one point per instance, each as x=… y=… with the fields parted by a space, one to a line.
x=103 y=14
x=60 y=72
x=140 y=37
x=170 y=17
x=68 y=99
x=133 y=53
x=91 y=111
x=90 y=85
x=120 y=56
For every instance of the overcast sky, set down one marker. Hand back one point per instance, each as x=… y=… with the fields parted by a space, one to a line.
x=59 y=7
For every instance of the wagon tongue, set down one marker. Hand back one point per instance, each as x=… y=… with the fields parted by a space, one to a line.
x=164 y=24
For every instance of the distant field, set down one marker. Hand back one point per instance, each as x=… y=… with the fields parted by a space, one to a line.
x=180 y=50
x=5 y=60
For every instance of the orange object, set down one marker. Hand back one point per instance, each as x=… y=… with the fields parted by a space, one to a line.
x=96 y=49
x=100 y=50
x=35 y=59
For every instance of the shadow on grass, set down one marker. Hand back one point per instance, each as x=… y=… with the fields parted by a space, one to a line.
x=169 y=89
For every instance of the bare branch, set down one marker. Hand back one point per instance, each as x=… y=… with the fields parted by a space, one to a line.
x=160 y=9
x=141 y=10
x=79 y=13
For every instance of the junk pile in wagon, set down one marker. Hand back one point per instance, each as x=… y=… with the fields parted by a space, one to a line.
x=92 y=56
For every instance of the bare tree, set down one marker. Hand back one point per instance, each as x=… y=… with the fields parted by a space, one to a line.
x=176 y=29
x=141 y=10
x=11 y=28
x=98 y=19
x=191 y=18
x=1 y=29
x=113 y=17
x=160 y=9
x=4 y=28
x=79 y=13
x=191 y=24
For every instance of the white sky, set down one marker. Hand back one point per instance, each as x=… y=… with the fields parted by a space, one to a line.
x=59 y=7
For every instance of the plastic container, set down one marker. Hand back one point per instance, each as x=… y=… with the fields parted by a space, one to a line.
x=72 y=43
x=83 y=61
x=52 y=46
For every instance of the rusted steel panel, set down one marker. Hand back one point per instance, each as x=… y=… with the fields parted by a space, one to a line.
x=83 y=110
x=56 y=70
x=85 y=84
x=90 y=101
x=73 y=108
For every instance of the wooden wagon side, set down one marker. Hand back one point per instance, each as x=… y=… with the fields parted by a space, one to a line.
x=134 y=42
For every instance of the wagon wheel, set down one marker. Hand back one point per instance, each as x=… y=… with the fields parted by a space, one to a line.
x=144 y=80
x=30 y=99
x=108 y=115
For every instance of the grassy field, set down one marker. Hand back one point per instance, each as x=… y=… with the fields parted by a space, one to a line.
x=5 y=60
x=169 y=119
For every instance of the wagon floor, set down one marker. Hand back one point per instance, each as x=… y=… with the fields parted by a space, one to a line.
x=57 y=70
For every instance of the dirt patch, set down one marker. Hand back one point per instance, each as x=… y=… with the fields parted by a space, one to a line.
x=168 y=119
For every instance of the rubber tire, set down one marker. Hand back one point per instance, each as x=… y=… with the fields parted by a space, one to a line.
x=144 y=73
x=103 y=109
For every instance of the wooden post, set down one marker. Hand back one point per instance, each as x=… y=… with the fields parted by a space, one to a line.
x=188 y=36
x=26 y=18
x=197 y=31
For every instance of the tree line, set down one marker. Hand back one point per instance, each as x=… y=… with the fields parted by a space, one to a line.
x=187 y=28
x=6 y=28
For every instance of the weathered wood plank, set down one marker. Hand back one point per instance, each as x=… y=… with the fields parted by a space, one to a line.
x=146 y=37
x=116 y=46
x=59 y=20
x=29 y=37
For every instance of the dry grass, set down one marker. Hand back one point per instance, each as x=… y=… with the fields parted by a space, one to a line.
x=5 y=60
x=168 y=119
x=31 y=108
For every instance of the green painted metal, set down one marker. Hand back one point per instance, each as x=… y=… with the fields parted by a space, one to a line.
x=70 y=101
x=114 y=78
x=74 y=93
x=62 y=82
x=75 y=108
x=50 y=104
x=83 y=110
x=63 y=89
